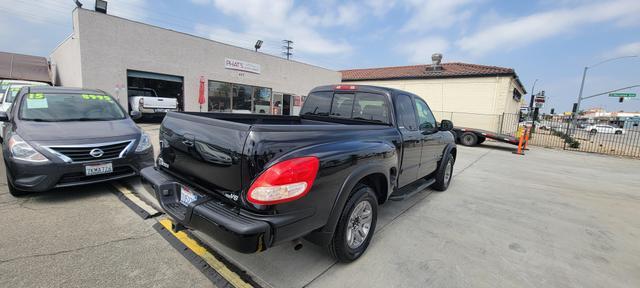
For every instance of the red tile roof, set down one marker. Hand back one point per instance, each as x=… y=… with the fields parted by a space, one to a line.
x=449 y=70
x=424 y=71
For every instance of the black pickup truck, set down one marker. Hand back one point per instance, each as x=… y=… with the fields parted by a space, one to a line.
x=254 y=181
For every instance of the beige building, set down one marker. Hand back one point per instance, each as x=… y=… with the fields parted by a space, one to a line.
x=475 y=96
x=116 y=54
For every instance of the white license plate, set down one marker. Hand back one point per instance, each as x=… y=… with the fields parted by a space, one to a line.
x=162 y=110
x=187 y=195
x=98 y=169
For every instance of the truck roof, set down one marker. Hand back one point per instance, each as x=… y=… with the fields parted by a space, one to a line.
x=362 y=88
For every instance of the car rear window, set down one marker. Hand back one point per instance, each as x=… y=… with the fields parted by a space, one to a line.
x=358 y=106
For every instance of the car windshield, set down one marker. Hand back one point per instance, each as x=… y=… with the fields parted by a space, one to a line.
x=69 y=107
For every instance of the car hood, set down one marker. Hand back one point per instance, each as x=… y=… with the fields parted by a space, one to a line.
x=81 y=130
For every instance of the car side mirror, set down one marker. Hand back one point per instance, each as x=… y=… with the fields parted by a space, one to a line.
x=135 y=115
x=446 y=125
x=4 y=117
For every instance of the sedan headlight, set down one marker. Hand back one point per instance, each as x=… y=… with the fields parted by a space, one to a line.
x=21 y=150
x=145 y=142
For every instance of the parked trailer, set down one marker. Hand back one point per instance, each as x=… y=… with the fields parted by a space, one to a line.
x=472 y=136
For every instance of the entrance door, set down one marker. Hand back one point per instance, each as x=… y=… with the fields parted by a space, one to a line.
x=286 y=104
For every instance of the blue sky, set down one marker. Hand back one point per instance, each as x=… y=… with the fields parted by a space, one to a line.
x=547 y=40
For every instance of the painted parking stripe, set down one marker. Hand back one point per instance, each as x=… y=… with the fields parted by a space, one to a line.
x=129 y=198
x=215 y=269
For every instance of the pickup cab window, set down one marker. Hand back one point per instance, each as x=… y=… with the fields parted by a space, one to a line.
x=357 y=106
x=425 y=117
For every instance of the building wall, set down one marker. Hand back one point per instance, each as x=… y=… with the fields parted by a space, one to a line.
x=65 y=60
x=477 y=102
x=111 y=45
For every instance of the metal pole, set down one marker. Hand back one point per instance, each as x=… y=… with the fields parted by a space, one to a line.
x=532 y=95
x=574 y=119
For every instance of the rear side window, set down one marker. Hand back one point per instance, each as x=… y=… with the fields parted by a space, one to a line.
x=406 y=114
x=358 y=106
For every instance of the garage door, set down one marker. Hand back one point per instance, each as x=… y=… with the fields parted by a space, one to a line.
x=169 y=86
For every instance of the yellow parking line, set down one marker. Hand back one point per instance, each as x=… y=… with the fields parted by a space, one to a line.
x=202 y=252
x=135 y=199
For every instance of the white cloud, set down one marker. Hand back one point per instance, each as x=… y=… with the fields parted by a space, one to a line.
x=273 y=21
x=420 y=51
x=434 y=14
x=626 y=50
x=536 y=27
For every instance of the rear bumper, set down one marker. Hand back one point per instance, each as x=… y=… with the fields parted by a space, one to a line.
x=232 y=227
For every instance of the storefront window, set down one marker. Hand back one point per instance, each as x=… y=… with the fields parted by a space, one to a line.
x=262 y=100
x=242 y=98
x=239 y=98
x=219 y=96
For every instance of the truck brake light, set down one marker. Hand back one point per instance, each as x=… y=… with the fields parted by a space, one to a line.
x=284 y=182
x=346 y=87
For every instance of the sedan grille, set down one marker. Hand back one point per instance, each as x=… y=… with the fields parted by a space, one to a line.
x=91 y=152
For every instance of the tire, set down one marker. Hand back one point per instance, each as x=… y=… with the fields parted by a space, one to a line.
x=345 y=246
x=593 y=131
x=15 y=192
x=444 y=174
x=468 y=139
x=618 y=132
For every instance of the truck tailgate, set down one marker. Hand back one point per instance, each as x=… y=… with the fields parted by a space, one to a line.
x=160 y=103
x=204 y=151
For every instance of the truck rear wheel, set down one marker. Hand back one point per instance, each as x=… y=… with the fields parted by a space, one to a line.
x=356 y=225
x=468 y=139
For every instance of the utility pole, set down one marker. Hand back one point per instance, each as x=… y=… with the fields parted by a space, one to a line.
x=287 y=47
x=584 y=75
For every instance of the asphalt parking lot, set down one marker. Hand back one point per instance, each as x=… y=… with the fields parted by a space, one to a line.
x=548 y=219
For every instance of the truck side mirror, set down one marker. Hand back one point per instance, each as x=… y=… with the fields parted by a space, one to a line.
x=446 y=125
x=4 y=117
x=135 y=115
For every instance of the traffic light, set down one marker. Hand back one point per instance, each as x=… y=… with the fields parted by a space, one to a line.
x=621 y=99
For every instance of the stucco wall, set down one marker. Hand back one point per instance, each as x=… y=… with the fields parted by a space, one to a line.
x=111 y=45
x=65 y=61
x=476 y=102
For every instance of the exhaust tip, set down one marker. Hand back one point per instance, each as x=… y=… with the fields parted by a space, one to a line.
x=297 y=244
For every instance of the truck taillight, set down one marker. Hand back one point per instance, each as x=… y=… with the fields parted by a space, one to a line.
x=346 y=87
x=141 y=101
x=284 y=182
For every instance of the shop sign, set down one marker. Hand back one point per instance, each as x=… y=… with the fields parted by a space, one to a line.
x=241 y=65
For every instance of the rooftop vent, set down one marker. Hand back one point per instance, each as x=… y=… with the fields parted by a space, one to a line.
x=436 y=60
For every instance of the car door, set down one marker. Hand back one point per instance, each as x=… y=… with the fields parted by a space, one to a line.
x=411 y=139
x=430 y=138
